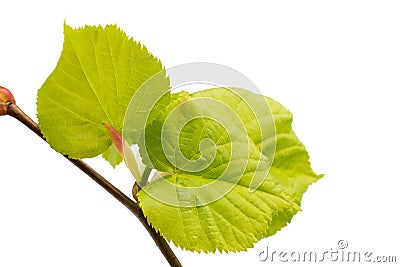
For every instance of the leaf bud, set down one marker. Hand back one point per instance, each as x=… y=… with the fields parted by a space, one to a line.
x=6 y=98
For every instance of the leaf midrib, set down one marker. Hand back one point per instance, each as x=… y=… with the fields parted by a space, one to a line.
x=87 y=78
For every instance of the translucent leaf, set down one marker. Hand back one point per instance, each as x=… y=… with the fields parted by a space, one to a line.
x=99 y=70
x=216 y=207
x=113 y=156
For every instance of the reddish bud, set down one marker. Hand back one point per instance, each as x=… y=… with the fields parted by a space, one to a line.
x=5 y=99
x=116 y=138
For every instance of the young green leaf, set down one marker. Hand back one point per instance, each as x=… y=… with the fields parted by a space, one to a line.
x=99 y=71
x=113 y=156
x=216 y=207
x=231 y=170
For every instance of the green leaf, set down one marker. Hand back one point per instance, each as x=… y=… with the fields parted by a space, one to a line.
x=218 y=206
x=113 y=156
x=99 y=71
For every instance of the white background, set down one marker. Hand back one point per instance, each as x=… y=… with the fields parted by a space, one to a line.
x=334 y=64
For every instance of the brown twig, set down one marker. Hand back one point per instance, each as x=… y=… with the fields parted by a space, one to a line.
x=14 y=111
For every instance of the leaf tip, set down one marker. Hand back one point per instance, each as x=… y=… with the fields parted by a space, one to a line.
x=66 y=26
